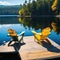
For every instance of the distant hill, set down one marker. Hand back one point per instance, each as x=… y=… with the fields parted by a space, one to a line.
x=9 y=10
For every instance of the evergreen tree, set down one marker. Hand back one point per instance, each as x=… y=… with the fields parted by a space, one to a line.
x=41 y=7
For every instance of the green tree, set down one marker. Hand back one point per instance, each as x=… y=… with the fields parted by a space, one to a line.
x=33 y=8
x=41 y=7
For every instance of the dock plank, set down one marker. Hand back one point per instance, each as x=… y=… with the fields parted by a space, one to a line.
x=31 y=50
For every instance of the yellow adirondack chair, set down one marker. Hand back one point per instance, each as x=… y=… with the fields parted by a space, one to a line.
x=15 y=37
x=42 y=36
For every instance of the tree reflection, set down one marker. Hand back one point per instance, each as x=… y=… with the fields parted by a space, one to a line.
x=41 y=22
x=56 y=25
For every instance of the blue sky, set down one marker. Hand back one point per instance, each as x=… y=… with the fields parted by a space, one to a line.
x=11 y=2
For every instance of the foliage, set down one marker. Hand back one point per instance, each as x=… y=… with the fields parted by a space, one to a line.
x=40 y=7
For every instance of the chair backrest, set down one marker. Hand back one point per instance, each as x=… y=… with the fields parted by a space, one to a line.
x=45 y=32
x=12 y=32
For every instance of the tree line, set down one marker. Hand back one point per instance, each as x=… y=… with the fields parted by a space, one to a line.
x=10 y=10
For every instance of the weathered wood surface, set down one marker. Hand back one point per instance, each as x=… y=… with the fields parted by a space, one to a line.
x=30 y=50
x=6 y=49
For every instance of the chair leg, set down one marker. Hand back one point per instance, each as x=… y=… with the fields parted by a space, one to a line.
x=21 y=39
x=10 y=42
x=34 y=39
x=40 y=42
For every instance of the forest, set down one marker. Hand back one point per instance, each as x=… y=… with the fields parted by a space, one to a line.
x=40 y=7
x=10 y=10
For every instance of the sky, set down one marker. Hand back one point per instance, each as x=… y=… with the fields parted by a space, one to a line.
x=11 y=2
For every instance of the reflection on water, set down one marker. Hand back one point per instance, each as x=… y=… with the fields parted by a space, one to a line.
x=29 y=24
x=9 y=20
x=41 y=23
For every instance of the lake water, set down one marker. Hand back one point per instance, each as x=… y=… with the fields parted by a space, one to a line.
x=27 y=25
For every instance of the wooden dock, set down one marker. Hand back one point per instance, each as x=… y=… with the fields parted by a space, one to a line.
x=30 y=50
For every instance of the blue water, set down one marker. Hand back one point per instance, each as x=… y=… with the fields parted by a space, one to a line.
x=19 y=28
x=13 y=22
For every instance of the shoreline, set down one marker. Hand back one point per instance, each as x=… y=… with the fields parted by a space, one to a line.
x=29 y=16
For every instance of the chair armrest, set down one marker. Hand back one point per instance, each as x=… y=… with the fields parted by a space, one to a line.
x=39 y=34
x=21 y=33
x=35 y=33
x=8 y=35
